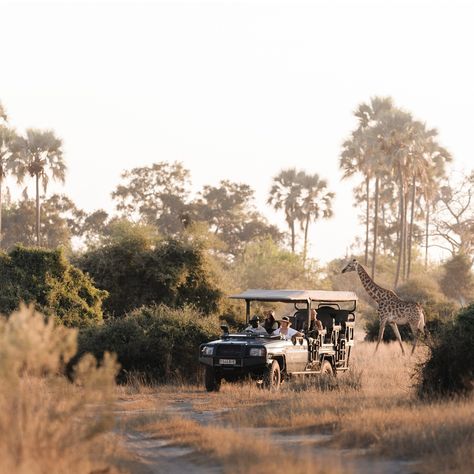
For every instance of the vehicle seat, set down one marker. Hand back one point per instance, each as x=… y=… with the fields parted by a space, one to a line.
x=327 y=315
x=299 y=319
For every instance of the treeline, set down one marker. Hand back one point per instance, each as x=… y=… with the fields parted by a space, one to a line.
x=167 y=257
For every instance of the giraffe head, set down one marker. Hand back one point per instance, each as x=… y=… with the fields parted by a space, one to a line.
x=350 y=267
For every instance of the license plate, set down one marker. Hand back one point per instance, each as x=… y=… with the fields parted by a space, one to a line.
x=227 y=361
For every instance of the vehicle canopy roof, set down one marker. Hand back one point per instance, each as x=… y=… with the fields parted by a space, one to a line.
x=285 y=296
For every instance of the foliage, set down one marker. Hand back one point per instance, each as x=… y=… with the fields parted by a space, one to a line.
x=48 y=424
x=60 y=220
x=457 y=281
x=229 y=212
x=303 y=198
x=156 y=195
x=400 y=161
x=157 y=341
x=265 y=265
x=47 y=279
x=137 y=269
x=450 y=368
x=455 y=216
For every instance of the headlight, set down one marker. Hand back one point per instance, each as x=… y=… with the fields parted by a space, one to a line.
x=207 y=350
x=257 y=351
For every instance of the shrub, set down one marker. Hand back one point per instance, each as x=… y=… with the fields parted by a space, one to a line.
x=156 y=341
x=48 y=424
x=136 y=271
x=47 y=279
x=450 y=367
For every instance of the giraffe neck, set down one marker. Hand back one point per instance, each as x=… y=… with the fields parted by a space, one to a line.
x=376 y=292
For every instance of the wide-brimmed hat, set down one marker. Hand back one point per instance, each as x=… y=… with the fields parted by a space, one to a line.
x=286 y=319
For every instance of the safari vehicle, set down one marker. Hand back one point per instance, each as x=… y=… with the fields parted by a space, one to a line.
x=270 y=359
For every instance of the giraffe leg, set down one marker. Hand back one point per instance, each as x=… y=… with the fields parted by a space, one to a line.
x=397 y=334
x=416 y=334
x=381 y=330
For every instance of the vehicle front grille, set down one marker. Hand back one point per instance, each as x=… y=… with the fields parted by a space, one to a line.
x=230 y=350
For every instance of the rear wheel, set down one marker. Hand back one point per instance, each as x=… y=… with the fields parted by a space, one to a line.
x=272 y=376
x=211 y=381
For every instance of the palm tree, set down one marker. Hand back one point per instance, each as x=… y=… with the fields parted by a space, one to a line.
x=361 y=154
x=41 y=158
x=9 y=152
x=316 y=202
x=285 y=194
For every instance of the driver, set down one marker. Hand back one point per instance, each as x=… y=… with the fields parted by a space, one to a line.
x=285 y=330
x=255 y=327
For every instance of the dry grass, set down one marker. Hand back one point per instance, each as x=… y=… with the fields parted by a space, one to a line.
x=48 y=424
x=374 y=408
x=236 y=451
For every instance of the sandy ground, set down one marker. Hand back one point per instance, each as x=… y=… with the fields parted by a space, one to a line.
x=152 y=455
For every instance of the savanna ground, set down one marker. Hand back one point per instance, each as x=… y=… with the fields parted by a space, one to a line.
x=368 y=420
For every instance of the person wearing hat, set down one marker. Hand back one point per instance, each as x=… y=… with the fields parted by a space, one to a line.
x=255 y=327
x=285 y=330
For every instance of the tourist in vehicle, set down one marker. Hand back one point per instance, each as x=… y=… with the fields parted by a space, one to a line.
x=314 y=324
x=270 y=324
x=255 y=327
x=285 y=330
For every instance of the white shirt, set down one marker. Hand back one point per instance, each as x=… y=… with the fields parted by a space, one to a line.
x=291 y=332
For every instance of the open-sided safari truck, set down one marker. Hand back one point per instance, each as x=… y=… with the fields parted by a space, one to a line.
x=270 y=358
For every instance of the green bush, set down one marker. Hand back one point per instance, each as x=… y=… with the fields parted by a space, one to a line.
x=450 y=367
x=156 y=341
x=47 y=279
x=136 y=272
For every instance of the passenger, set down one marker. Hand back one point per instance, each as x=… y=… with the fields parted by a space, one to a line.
x=285 y=330
x=314 y=324
x=270 y=324
x=255 y=327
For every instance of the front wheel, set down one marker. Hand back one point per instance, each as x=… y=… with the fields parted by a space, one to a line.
x=272 y=376
x=211 y=381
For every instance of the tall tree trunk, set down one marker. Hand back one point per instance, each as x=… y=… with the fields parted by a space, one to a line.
x=305 y=246
x=367 y=217
x=37 y=212
x=405 y=236
x=384 y=243
x=376 y=225
x=412 y=218
x=401 y=232
x=427 y=225
x=292 y=227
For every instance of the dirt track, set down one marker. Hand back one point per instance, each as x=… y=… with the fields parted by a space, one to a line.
x=154 y=455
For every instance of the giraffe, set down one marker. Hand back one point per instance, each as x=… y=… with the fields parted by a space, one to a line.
x=391 y=309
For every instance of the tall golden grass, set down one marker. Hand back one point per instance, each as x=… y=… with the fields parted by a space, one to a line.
x=375 y=408
x=47 y=423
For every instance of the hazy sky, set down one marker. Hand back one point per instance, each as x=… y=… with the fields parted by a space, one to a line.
x=234 y=90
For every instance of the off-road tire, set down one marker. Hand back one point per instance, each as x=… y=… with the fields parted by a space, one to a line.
x=272 y=377
x=211 y=381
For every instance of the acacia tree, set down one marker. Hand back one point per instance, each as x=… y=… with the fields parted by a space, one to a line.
x=454 y=219
x=155 y=195
x=229 y=212
x=41 y=157
x=285 y=194
x=316 y=202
